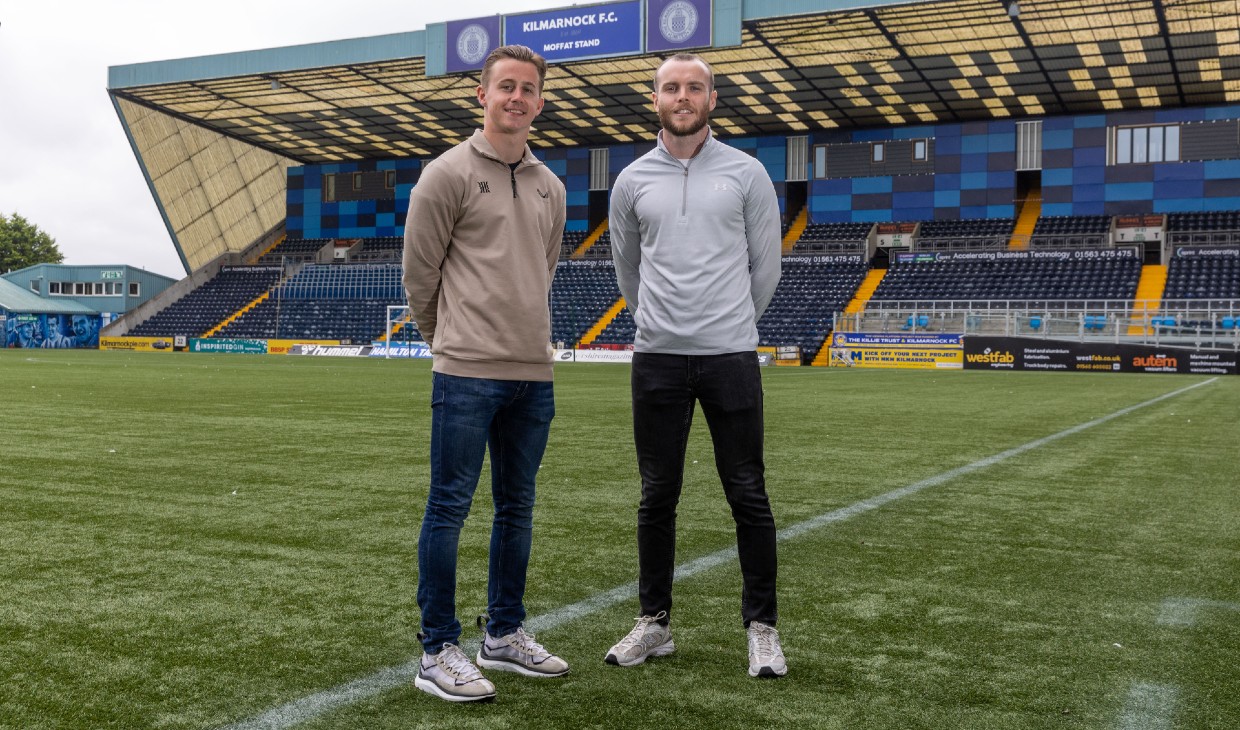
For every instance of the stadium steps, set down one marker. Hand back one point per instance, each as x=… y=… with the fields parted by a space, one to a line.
x=873 y=278
x=1030 y=211
x=592 y=333
x=279 y=240
x=237 y=314
x=796 y=229
x=591 y=239
x=1149 y=295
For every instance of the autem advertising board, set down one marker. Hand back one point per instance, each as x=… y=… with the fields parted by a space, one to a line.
x=1023 y=353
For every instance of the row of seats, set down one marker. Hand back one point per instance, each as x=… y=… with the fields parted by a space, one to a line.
x=1010 y=280
x=209 y=304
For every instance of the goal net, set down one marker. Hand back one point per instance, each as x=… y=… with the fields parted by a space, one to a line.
x=401 y=336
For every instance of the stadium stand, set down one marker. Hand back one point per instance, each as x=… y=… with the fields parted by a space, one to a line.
x=571 y=242
x=1069 y=231
x=346 y=302
x=1020 y=279
x=1208 y=227
x=809 y=295
x=1203 y=278
x=213 y=302
x=294 y=249
x=975 y=233
x=581 y=293
x=833 y=238
x=384 y=248
x=601 y=248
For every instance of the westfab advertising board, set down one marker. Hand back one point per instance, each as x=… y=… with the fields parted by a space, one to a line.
x=1024 y=353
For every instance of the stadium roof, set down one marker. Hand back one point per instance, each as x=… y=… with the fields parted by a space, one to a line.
x=800 y=66
x=913 y=63
x=17 y=299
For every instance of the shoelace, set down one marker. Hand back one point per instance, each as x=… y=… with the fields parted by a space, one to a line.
x=454 y=662
x=635 y=636
x=525 y=643
x=764 y=638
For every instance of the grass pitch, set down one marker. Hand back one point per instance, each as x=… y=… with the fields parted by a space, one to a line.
x=190 y=541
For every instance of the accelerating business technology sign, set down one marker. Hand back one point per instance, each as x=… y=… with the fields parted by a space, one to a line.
x=569 y=34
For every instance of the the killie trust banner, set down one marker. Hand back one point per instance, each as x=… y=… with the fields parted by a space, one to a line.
x=887 y=350
x=1024 y=353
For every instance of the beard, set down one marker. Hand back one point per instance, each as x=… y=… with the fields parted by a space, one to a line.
x=680 y=126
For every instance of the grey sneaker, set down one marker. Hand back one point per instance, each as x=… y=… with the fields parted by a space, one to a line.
x=449 y=675
x=648 y=638
x=766 y=657
x=518 y=652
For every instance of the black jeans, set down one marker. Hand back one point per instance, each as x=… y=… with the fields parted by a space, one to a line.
x=729 y=387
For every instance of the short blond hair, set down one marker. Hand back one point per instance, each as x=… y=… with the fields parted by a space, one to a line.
x=516 y=53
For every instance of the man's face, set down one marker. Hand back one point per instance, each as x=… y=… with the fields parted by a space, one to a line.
x=683 y=97
x=512 y=97
x=25 y=330
x=81 y=328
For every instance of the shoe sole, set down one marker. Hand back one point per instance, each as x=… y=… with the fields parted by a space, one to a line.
x=430 y=687
x=501 y=665
x=660 y=650
x=768 y=672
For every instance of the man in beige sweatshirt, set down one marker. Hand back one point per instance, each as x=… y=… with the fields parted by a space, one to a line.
x=481 y=243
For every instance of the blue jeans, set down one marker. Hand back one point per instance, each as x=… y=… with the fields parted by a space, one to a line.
x=729 y=388
x=468 y=415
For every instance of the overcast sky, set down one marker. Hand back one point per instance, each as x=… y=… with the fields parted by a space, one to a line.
x=65 y=164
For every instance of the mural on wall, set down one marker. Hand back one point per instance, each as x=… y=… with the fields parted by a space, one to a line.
x=53 y=331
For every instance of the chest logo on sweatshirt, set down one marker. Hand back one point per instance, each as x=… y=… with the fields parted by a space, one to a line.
x=542 y=194
x=484 y=186
x=721 y=187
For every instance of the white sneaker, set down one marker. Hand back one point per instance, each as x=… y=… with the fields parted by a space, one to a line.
x=450 y=675
x=648 y=638
x=766 y=656
x=518 y=652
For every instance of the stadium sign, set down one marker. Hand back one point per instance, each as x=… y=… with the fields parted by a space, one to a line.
x=331 y=350
x=904 y=351
x=1017 y=353
x=569 y=34
x=674 y=25
x=416 y=350
x=470 y=42
x=248 y=347
x=1088 y=254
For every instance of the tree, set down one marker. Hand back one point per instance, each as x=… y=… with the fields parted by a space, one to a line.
x=22 y=244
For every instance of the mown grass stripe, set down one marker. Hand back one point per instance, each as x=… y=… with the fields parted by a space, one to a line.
x=320 y=703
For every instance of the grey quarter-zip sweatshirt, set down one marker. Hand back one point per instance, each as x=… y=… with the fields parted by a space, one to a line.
x=696 y=246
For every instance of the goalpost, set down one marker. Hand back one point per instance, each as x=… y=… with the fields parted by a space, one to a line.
x=401 y=331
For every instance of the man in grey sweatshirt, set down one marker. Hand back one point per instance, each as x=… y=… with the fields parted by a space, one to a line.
x=695 y=236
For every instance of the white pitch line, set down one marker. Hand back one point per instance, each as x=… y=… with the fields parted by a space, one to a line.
x=320 y=703
x=1183 y=611
x=1149 y=707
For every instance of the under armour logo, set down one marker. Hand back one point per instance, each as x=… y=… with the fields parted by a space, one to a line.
x=721 y=186
x=484 y=186
x=542 y=194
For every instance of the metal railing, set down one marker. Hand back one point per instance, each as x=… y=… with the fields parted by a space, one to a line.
x=1213 y=324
